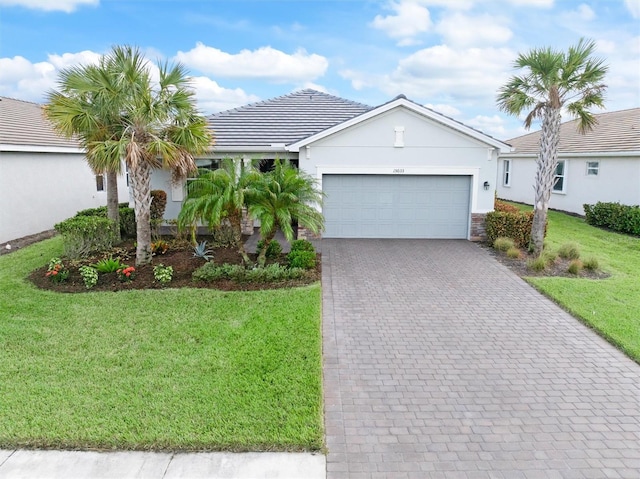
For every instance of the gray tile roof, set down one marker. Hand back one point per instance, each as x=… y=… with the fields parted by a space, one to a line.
x=23 y=123
x=285 y=119
x=615 y=131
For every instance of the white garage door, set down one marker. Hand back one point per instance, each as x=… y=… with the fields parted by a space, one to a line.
x=396 y=206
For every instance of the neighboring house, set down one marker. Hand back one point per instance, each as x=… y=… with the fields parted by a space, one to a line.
x=44 y=178
x=398 y=170
x=601 y=165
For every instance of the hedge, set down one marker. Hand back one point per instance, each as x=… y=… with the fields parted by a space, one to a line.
x=83 y=235
x=516 y=226
x=127 y=218
x=615 y=216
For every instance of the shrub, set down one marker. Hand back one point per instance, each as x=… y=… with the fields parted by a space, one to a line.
x=503 y=244
x=575 y=266
x=569 y=251
x=163 y=274
x=591 y=263
x=108 y=265
x=127 y=273
x=159 y=247
x=89 y=276
x=516 y=226
x=302 y=245
x=83 y=235
x=615 y=216
x=499 y=205
x=537 y=264
x=302 y=259
x=549 y=256
x=223 y=236
x=156 y=212
x=127 y=218
x=56 y=271
x=269 y=274
x=273 y=250
x=513 y=253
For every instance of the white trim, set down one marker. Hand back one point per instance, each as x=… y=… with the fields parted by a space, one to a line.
x=506 y=172
x=408 y=171
x=40 y=148
x=565 y=167
x=605 y=154
x=402 y=102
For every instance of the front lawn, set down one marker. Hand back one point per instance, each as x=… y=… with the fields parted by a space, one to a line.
x=612 y=305
x=181 y=369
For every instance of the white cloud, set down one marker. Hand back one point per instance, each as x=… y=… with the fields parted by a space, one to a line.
x=212 y=97
x=491 y=125
x=445 y=109
x=67 y=60
x=410 y=19
x=459 y=29
x=585 y=13
x=634 y=7
x=19 y=78
x=264 y=63
x=50 y=5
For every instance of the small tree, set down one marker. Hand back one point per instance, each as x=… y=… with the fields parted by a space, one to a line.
x=282 y=196
x=218 y=196
x=553 y=81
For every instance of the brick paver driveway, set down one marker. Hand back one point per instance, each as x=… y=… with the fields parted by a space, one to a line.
x=440 y=362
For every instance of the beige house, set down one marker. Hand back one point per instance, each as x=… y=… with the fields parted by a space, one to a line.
x=44 y=178
x=601 y=165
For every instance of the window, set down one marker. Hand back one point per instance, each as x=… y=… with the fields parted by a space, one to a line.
x=202 y=165
x=592 y=168
x=506 y=172
x=559 y=180
x=99 y=182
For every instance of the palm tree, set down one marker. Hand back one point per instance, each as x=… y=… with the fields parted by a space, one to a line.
x=150 y=125
x=553 y=81
x=219 y=195
x=281 y=196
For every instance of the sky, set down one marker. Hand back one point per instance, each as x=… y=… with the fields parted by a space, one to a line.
x=449 y=55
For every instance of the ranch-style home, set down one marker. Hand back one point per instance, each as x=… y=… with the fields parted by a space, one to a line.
x=601 y=165
x=398 y=170
x=44 y=178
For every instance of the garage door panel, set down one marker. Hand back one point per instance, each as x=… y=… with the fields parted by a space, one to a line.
x=383 y=206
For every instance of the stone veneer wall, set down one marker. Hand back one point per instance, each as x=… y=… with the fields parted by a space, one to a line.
x=304 y=233
x=478 y=231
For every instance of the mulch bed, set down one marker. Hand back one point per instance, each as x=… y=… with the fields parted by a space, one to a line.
x=183 y=263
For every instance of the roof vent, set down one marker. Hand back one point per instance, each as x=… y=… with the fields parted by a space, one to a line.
x=400 y=96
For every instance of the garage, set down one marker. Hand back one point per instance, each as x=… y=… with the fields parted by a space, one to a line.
x=396 y=206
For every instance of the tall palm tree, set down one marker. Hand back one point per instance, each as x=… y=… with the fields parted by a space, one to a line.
x=553 y=81
x=148 y=124
x=282 y=196
x=219 y=195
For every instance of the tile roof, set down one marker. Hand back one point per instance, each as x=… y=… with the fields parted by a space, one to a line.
x=282 y=120
x=615 y=131
x=23 y=123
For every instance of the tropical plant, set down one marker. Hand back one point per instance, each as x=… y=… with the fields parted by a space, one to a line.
x=219 y=196
x=56 y=271
x=127 y=273
x=108 y=265
x=159 y=247
x=89 y=276
x=553 y=81
x=119 y=112
x=280 y=197
x=201 y=251
x=274 y=250
x=163 y=274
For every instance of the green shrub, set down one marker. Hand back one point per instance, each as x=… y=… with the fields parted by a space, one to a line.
x=83 y=235
x=549 y=256
x=513 y=253
x=108 y=265
x=89 y=276
x=537 y=264
x=516 y=226
x=269 y=274
x=274 y=250
x=302 y=245
x=302 y=259
x=503 y=244
x=163 y=274
x=127 y=218
x=615 y=216
x=569 y=251
x=591 y=263
x=223 y=236
x=56 y=271
x=575 y=266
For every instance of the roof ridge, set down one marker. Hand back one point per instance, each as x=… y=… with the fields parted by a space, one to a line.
x=20 y=100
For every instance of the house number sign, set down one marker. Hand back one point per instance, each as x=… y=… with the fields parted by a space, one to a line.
x=398 y=171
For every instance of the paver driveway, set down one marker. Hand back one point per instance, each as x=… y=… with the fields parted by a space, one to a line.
x=440 y=362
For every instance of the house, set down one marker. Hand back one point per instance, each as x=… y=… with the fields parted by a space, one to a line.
x=398 y=170
x=601 y=165
x=44 y=178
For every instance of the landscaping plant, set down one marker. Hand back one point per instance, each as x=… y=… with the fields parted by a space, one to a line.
x=201 y=251
x=89 y=276
x=128 y=273
x=274 y=250
x=56 y=271
x=108 y=265
x=163 y=274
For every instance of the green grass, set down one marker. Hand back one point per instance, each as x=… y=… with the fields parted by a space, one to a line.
x=611 y=306
x=166 y=369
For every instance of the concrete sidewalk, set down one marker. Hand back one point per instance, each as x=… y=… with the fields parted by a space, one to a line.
x=36 y=464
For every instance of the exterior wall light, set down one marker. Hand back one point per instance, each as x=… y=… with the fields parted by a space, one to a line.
x=486 y=185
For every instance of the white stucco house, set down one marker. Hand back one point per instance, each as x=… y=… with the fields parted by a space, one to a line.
x=44 y=178
x=398 y=170
x=601 y=165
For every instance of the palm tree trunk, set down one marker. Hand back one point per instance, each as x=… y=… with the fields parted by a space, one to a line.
x=546 y=163
x=140 y=177
x=262 y=256
x=113 y=212
x=236 y=226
